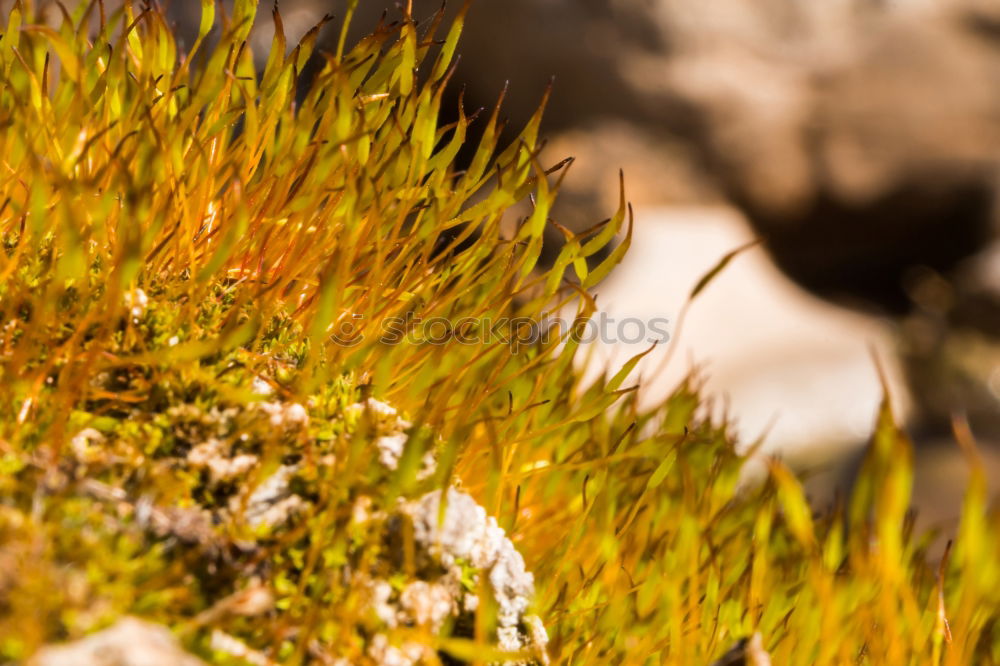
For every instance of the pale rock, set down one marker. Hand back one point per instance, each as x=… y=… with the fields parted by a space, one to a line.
x=128 y=642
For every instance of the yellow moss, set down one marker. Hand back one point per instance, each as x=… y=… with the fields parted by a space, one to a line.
x=196 y=276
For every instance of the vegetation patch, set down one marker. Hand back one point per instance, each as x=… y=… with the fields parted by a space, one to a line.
x=203 y=425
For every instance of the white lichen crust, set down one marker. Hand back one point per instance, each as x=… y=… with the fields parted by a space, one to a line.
x=390 y=436
x=455 y=552
x=466 y=534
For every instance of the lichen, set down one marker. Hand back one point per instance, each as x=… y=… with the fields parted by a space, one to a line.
x=451 y=549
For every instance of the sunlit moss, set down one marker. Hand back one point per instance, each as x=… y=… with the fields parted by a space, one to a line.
x=189 y=430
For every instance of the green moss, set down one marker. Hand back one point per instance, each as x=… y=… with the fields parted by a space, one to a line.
x=183 y=438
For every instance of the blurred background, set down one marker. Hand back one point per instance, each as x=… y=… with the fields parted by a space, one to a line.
x=859 y=139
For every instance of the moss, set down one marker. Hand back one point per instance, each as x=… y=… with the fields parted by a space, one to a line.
x=195 y=394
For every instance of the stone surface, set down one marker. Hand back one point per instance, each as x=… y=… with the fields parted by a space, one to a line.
x=779 y=362
x=128 y=642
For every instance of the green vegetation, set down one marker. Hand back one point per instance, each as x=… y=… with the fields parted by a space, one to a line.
x=191 y=433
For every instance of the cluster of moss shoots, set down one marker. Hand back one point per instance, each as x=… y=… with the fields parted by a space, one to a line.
x=179 y=228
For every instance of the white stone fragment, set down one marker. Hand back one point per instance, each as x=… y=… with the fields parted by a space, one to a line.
x=381 y=603
x=537 y=637
x=128 y=642
x=390 y=449
x=81 y=444
x=274 y=514
x=378 y=408
x=385 y=654
x=261 y=387
x=285 y=414
x=390 y=434
x=508 y=639
x=428 y=604
x=136 y=301
x=234 y=647
x=212 y=455
x=271 y=503
x=361 y=512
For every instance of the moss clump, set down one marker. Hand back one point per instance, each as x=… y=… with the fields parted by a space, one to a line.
x=220 y=410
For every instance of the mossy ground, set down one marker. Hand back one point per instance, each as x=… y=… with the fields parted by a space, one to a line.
x=193 y=259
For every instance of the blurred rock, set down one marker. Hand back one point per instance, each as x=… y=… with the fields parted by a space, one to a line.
x=579 y=45
x=657 y=168
x=128 y=642
x=776 y=361
x=884 y=158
